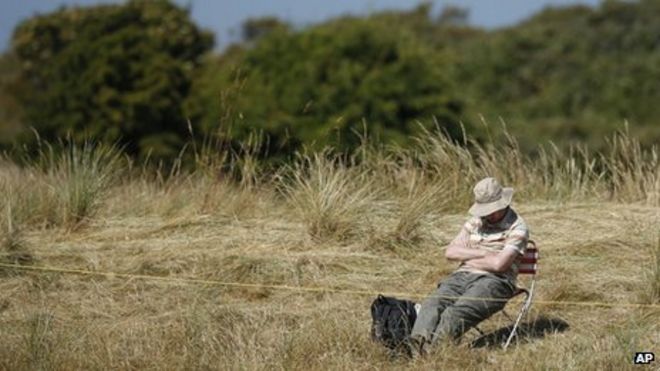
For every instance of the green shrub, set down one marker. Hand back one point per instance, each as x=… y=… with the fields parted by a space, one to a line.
x=111 y=73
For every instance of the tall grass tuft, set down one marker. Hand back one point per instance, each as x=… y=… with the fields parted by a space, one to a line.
x=80 y=177
x=422 y=197
x=566 y=175
x=452 y=163
x=328 y=195
x=634 y=172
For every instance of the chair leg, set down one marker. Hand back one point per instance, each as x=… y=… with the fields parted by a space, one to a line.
x=523 y=312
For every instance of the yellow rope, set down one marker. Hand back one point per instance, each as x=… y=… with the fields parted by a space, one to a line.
x=305 y=289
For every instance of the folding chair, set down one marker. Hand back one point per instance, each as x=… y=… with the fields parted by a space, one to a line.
x=528 y=265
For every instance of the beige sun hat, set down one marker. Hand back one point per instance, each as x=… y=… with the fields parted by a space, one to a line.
x=489 y=196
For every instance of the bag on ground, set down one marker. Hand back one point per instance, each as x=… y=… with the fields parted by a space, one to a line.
x=393 y=320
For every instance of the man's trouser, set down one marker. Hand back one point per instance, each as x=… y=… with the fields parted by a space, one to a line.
x=443 y=316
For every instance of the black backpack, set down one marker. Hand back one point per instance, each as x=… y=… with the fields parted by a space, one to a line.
x=393 y=320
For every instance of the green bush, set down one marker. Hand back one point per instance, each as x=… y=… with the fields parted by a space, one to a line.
x=112 y=73
x=10 y=107
x=319 y=86
x=129 y=74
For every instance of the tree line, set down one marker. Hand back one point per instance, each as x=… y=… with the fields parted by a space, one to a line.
x=144 y=75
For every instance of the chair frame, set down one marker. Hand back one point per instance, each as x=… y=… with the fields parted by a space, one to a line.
x=531 y=267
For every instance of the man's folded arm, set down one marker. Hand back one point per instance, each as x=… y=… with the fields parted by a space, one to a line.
x=459 y=249
x=495 y=262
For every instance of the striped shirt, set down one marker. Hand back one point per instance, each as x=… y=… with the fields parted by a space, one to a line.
x=509 y=233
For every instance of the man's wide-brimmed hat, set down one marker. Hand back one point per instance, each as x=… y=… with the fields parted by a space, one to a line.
x=489 y=196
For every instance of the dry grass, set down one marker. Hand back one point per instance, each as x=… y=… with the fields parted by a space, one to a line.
x=595 y=217
x=327 y=194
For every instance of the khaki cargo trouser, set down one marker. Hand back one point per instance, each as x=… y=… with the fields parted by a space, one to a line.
x=449 y=318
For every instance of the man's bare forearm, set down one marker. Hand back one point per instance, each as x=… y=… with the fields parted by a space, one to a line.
x=495 y=262
x=462 y=254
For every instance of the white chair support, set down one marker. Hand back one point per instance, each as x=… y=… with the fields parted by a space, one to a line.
x=528 y=265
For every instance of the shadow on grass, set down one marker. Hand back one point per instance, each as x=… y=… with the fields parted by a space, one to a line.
x=527 y=331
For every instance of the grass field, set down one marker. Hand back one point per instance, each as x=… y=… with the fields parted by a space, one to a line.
x=376 y=222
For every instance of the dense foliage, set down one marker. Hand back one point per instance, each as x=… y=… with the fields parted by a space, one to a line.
x=10 y=107
x=571 y=73
x=111 y=72
x=133 y=72
x=321 y=85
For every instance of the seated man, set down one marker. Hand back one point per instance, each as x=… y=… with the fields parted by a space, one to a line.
x=488 y=248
